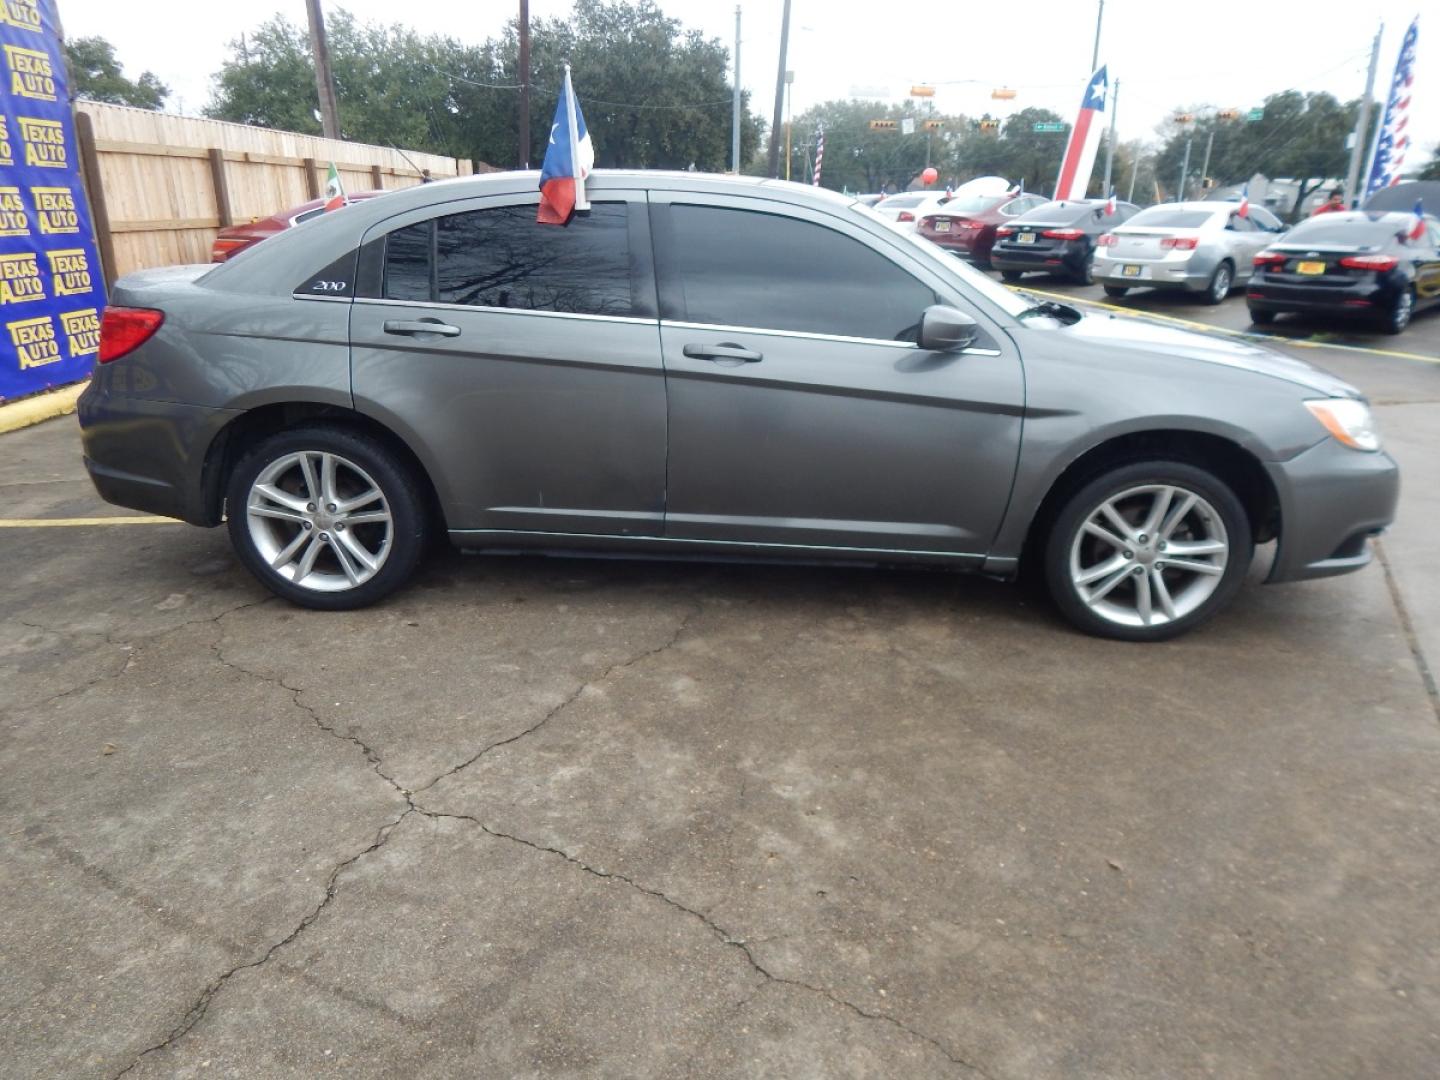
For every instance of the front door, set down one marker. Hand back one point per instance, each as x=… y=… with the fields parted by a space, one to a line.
x=521 y=361
x=801 y=410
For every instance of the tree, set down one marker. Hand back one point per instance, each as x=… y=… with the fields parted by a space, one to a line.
x=1431 y=171
x=96 y=74
x=654 y=94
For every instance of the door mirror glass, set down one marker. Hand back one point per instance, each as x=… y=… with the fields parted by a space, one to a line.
x=942 y=328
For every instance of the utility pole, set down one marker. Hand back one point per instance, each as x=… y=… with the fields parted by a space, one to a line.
x=1095 y=53
x=1134 y=172
x=525 y=84
x=1114 y=106
x=773 y=165
x=1184 y=168
x=1205 y=168
x=789 y=97
x=735 y=104
x=1358 y=145
x=324 y=77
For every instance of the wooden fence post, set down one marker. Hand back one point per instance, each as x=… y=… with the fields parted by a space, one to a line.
x=99 y=214
x=376 y=177
x=223 y=209
x=312 y=179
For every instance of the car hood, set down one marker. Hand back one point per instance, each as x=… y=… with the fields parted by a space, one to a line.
x=1138 y=335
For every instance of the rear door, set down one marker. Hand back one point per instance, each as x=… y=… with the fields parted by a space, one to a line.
x=801 y=410
x=521 y=360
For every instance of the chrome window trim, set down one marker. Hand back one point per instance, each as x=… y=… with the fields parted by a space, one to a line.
x=326 y=299
x=806 y=335
x=438 y=305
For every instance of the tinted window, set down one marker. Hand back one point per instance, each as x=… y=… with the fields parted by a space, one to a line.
x=1240 y=224
x=1163 y=217
x=1362 y=232
x=407 y=263
x=1060 y=213
x=502 y=258
x=899 y=202
x=971 y=204
x=742 y=268
x=1265 y=219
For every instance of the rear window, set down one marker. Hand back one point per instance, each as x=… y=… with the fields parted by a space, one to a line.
x=1363 y=233
x=1163 y=217
x=899 y=202
x=970 y=204
x=1061 y=213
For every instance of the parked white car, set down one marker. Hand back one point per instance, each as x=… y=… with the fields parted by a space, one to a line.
x=1203 y=247
x=907 y=207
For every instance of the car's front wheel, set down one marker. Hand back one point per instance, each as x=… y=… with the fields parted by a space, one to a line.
x=1147 y=551
x=326 y=517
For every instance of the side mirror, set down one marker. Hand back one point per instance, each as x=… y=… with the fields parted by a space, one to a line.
x=943 y=329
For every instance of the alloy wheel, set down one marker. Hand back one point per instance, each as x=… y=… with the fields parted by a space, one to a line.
x=1220 y=284
x=320 y=521
x=1149 y=555
x=1401 y=312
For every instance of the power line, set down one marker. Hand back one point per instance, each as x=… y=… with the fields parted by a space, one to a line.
x=587 y=100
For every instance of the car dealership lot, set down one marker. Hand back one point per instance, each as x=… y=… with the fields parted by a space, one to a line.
x=548 y=817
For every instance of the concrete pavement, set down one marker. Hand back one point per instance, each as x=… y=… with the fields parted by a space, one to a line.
x=555 y=818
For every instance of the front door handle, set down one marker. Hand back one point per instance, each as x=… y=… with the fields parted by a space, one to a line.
x=421 y=326
x=726 y=350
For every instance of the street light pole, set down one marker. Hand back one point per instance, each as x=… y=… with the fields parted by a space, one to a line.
x=1184 y=168
x=1209 y=142
x=735 y=103
x=1095 y=53
x=773 y=164
x=525 y=84
x=789 y=95
x=1357 y=149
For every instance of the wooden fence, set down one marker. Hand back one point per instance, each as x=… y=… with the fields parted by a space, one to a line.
x=160 y=186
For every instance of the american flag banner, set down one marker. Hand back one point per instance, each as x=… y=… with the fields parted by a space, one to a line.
x=1393 y=138
x=819 y=154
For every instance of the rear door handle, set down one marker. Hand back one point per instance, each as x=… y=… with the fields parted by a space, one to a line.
x=421 y=326
x=726 y=350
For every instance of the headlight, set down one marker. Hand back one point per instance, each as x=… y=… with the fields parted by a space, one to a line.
x=1348 y=420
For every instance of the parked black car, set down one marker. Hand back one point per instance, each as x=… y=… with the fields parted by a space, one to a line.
x=1057 y=238
x=1373 y=265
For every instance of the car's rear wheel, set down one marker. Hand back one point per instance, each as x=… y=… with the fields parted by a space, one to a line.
x=1220 y=282
x=1086 y=273
x=1011 y=275
x=1262 y=318
x=1116 y=291
x=1147 y=551
x=1398 y=317
x=326 y=517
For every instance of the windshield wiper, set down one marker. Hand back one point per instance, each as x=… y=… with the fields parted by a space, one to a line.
x=1063 y=312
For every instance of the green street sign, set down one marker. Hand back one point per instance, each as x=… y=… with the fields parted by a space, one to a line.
x=1253 y=115
x=1049 y=126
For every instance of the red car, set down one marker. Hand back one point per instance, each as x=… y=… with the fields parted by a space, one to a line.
x=233 y=239
x=966 y=226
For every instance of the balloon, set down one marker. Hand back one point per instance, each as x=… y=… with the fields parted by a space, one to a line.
x=930 y=176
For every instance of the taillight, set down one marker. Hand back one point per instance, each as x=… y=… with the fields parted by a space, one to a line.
x=1370 y=262
x=224 y=247
x=1178 y=243
x=1108 y=240
x=970 y=225
x=1004 y=230
x=1062 y=234
x=1271 y=258
x=905 y=215
x=123 y=330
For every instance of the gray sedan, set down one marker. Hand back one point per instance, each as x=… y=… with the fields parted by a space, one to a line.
x=709 y=366
x=1201 y=247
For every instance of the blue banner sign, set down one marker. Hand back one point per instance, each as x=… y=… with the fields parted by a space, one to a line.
x=51 y=287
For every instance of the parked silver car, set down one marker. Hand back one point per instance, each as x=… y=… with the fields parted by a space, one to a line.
x=715 y=367
x=1203 y=247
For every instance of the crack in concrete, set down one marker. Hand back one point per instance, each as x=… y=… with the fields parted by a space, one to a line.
x=570 y=699
x=201 y=1006
x=1407 y=627
x=723 y=935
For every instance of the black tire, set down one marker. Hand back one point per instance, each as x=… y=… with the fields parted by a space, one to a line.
x=1262 y=318
x=1086 y=275
x=1221 y=282
x=1012 y=275
x=401 y=490
x=1398 y=317
x=1081 y=504
x=1116 y=291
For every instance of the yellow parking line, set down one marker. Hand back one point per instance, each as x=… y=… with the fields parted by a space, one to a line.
x=79 y=523
x=1251 y=335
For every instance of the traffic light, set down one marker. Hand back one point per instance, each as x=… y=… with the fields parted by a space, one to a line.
x=884 y=125
x=1184 y=118
x=922 y=91
x=933 y=125
x=989 y=125
x=1229 y=114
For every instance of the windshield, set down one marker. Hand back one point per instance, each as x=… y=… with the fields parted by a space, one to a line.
x=1167 y=217
x=1009 y=302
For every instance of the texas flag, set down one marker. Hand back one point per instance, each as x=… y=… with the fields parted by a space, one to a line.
x=335 y=196
x=568 y=161
x=1110 y=203
x=1079 y=159
x=1417 y=227
x=1244 y=210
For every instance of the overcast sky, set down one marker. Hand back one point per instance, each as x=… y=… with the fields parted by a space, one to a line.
x=1165 y=54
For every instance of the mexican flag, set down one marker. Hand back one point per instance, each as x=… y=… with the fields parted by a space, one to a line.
x=335 y=196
